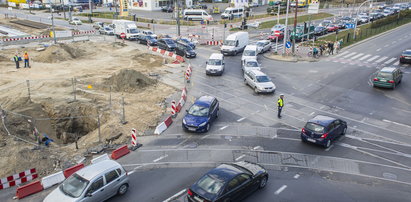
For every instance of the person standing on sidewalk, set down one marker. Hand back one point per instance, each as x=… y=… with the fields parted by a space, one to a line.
x=280 y=105
x=16 y=60
x=26 y=60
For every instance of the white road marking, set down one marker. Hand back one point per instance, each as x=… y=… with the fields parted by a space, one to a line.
x=388 y=121
x=205 y=136
x=312 y=113
x=266 y=108
x=401 y=109
x=364 y=57
x=240 y=119
x=343 y=53
x=386 y=45
x=280 y=190
x=390 y=60
x=349 y=55
x=274 y=136
x=296 y=176
x=328 y=149
x=175 y=195
x=357 y=56
x=373 y=58
x=240 y=157
x=378 y=49
x=134 y=170
x=224 y=127
x=396 y=63
x=256 y=147
x=160 y=158
x=381 y=59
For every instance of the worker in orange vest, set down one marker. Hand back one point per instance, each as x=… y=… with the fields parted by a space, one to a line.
x=26 y=60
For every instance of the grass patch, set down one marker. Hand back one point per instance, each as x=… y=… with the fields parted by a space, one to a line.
x=303 y=18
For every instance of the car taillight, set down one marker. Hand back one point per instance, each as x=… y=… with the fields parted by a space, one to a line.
x=375 y=79
x=324 y=135
x=303 y=130
x=189 y=192
x=390 y=81
x=402 y=56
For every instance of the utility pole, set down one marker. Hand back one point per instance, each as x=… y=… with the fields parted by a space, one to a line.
x=64 y=9
x=286 y=27
x=91 y=11
x=178 y=17
x=52 y=23
x=295 y=25
x=278 y=15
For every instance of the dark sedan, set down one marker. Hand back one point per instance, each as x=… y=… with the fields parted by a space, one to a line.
x=320 y=30
x=167 y=9
x=147 y=40
x=228 y=182
x=323 y=130
x=405 y=57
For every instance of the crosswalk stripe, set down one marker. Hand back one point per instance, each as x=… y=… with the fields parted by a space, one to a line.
x=381 y=59
x=343 y=53
x=353 y=53
x=357 y=56
x=397 y=63
x=390 y=60
x=364 y=57
x=373 y=58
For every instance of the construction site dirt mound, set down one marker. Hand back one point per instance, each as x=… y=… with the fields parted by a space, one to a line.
x=59 y=53
x=4 y=58
x=129 y=80
x=149 y=59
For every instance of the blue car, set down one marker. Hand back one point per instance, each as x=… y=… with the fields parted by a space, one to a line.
x=201 y=114
x=323 y=130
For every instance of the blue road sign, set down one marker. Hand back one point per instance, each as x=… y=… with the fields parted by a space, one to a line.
x=288 y=44
x=350 y=26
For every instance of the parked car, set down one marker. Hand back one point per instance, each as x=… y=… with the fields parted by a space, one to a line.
x=166 y=44
x=364 y=19
x=228 y=182
x=325 y=23
x=215 y=64
x=340 y=24
x=106 y=30
x=96 y=182
x=320 y=30
x=149 y=33
x=98 y=25
x=147 y=40
x=75 y=21
x=201 y=114
x=251 y=64
x=167 y=9
x=323 y=130
x=405 y=57
x=259 y=81
x=278 y=27
x=185 y=50
x=273 y=36
x=332 y=27
x=187 y=41
x=387 y=77
x=263 y=46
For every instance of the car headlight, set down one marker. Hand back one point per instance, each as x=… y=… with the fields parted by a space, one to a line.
x=203 y=124
x=260 y=88
x=184 y=121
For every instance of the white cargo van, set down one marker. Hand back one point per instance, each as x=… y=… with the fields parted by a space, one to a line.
x=215 y=64
x=196 y=14
x=231 y=13
x=250 y=52
x=234 y=43
x=127 y=27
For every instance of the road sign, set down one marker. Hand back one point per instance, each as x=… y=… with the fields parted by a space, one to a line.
x=123 y=35
x=313 y=8
x=288 y=44
x=350 y=26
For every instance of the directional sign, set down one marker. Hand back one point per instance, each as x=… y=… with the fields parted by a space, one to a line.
x=350 y=26
x=288 y=44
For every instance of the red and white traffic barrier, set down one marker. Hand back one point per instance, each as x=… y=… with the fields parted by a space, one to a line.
x=84 y=32
x=18 y=178
x=167 y=53
x=182 y=99
x=27 y=38
x=214 y=43
x=173 y=108
x=19 y=181
x=133 y=137
x=163 y=125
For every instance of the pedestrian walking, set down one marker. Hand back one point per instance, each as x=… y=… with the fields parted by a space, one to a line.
x=332 y=48
x=280 y=105
x=321 y=49
x=329 y=48
x=336 y=47
x=16 y=60
x=26 y=60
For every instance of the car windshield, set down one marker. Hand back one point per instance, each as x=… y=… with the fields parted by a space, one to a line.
x=278 y=26
x=198 y=110
x=210 y=184
x=262 y=79
x=133 y=31
x=252 y=64
x=249 y=53
x=185 y=40
x=318 y=28
x=169 y=41
x=107 y=29
x=314 y=127
x=214 y=62
x=385 y=75
x=74 y=186
x=260 y=43
x=150 y=38
x=229 y=43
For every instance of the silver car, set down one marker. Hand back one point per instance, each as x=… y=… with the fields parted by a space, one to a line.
x=263 y=46
x=260 y=82
x=251 y=64
x=97 y=182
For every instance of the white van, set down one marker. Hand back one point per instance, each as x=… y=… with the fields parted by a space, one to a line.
x=215 y=64
x=234 y=43
x=196 y=14
x=250 y=52
x=231 y=13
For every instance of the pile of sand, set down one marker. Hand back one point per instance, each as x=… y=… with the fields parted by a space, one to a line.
x=60 y=52
x=149 y=60
x=4 y=58
x=129 y=80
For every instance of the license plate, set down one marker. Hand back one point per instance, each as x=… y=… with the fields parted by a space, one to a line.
x=197 y=199
x=407 y=57
x=191 y=129
x=310 y=140
x=383 y=80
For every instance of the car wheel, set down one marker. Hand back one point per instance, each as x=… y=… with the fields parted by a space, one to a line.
x=328 y=144
x=245 y=81
x=344 y=131
x=399 y=81
x=302 y=140
x=218 y=113
x=122 y=189
x=256 y=90
x=263 y=182
x=207 y=127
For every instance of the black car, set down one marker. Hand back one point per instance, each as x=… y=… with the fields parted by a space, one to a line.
x=146 y=40
x=185 y=50
x=320 y=30
x=187 y=41
x=228 y=182
x=167 y=9
x=166 y=44
x=405 y=57
x=323 y=130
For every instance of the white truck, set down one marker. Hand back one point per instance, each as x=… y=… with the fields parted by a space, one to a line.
x=129 y=28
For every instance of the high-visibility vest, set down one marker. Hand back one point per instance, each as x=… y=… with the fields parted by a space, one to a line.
x=280 y=102
x=26 y=56
x=16 y=58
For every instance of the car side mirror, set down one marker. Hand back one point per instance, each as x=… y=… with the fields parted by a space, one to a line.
x=89 y=194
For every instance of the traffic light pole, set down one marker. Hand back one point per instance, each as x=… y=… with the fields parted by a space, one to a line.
x=295 y=25
x=286 y=27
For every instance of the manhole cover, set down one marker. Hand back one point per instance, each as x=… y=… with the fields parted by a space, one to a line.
x=389 y=176
x=191 y=145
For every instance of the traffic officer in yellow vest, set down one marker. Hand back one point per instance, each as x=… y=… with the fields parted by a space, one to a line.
x=17 y=60
x=280 y=104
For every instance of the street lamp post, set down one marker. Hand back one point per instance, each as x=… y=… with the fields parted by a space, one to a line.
x=286 y=27
x=356 y=18
x=295 y=25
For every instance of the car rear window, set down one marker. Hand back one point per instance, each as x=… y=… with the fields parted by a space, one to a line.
x=210 y=184
x=385 y=75
x=406 y=53
x=252 y=64
x=314 y=127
